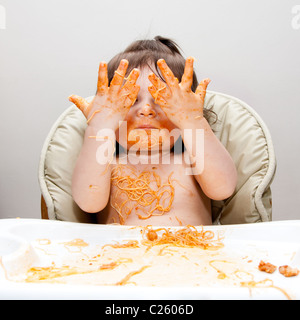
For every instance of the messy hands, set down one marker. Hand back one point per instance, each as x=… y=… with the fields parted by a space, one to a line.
x=111 y=103
x=178 y=101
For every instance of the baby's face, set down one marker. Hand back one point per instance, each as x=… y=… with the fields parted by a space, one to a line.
x=147 y=125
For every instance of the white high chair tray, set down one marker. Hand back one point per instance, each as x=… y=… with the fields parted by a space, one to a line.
x=73 y=252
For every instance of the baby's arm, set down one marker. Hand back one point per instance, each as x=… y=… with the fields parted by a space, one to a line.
x=213 y=169
x=91 y=176
x=92 y=173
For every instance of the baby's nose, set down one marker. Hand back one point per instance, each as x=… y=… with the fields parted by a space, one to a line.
x=147 y=111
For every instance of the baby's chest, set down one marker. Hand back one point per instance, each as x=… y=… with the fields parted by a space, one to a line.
x=157 y=195
x=159 y=186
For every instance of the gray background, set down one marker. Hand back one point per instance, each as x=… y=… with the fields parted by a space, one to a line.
x=51 y=49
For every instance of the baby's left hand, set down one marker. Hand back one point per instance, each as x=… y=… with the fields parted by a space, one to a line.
x=178 y=101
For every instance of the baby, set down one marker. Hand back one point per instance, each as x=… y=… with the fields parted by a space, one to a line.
x=130 y=169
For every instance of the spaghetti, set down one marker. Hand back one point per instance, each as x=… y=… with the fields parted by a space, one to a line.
x=130 y=274
x=143 y=192
x=157 y=93
x=131 y=262
x=92 y=116
x=188 y=237
x=129 y=244
x=266 y=283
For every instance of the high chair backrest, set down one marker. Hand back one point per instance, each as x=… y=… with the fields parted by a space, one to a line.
x=238 y=127
x=247 y=139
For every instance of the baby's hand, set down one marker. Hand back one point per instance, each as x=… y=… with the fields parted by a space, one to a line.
x=179 y=102
x=111 y=103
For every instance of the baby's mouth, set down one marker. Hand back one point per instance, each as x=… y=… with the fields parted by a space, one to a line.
x=145 y=137
x=146 y=126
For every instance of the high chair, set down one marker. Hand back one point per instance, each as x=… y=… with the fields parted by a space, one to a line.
x=239 y=128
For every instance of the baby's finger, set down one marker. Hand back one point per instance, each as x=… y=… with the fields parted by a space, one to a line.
x=102 y=85
x=80 y=103
x=132 y=96
x=168 y=74
x=160 y=86
x=187 y=78
x=156 y=81
x=118 y=78
x=201 y=89
x=131 y=80
x=130 y=89
x=157 y=97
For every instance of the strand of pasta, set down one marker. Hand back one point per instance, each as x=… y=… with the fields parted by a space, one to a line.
x=157 y=92
x=140 y=194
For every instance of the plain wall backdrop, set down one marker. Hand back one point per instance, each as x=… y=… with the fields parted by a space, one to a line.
x=51 y=49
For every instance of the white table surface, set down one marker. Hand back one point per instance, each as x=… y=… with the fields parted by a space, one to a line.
x=278 y=241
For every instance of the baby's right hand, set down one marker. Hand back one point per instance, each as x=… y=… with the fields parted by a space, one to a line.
x=111 y=103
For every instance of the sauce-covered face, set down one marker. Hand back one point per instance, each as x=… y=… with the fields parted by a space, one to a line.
x=146 y=126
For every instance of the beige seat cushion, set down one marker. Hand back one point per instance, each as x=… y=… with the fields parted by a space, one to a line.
x=240 y=130
x=247 y=139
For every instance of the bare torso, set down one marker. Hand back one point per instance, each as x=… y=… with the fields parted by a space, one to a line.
x=181 y=200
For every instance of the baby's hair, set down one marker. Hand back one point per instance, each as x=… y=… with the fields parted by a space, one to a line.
x=146 y=53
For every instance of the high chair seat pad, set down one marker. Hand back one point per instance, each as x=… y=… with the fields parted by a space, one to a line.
x=240 y=130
